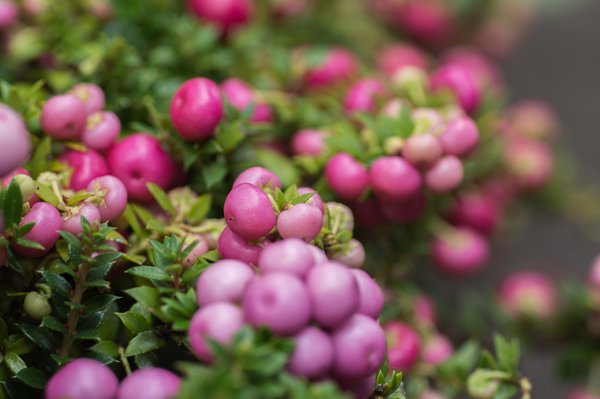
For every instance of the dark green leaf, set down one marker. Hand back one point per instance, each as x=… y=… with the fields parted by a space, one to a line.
x=59 y=285
x=144 y=342
x=40 y=336
x=150 y=273
x=13 y=205
x=32 y=377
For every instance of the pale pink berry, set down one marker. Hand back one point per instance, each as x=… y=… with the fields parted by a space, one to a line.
x=399 y=56
x=460 y=252
x=300 y=221
x=371 y=297
x=477 y=210
x=232 y=246
x=460 y=137
x=64 y=117
x=338 y=66
x=9 y=13
x=199 y=250
x=150 y=383
x=313 y=354
x=309 y=142
x=422 y=150
x=72 y=224
x=102 y=130
x=82 y=379
x=290 y=256
x=352 y=254
x=91 y=95
x=437 y=349
x=15 y=143
x=223 y=281
x=258 y=176
x=315 y=200
x=393 y=179
x=528 y=294
x=445 y=175
x=460 y=82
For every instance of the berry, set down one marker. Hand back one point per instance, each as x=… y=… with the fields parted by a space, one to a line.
x=341 y=216
x=393 y=179
x=315 y=200
x=150 y=383
x=352 y=254
x=424 y=311
x=362 y=95
x=347 y=178
x=318 y=255
x=422 y=150
x=241 y=96
x=404 y=346
x=338 y=65
x=90 y=95
x=138 y=160
x=225 y=15
x=279 y=301
x=300 y=221
x=9 y=13
x=218 y=322
x=15 y=143
x=445 y=175
x=197 y=109
x=289 y=256
x=399 y=56
x=113 y=196
x=223 y=281
x=309 y=142
x=456 y=79
x=333 y=292
x=460 y=252
x=370 y=294
x=199 y=250
x=45 y=231
x=533 y=119
x=460 y=137
x=82 y=379
x=232 y=246
x=528 y=294
x=313 y=354
x=258 y=176
x=85 y=167
x=426 y=20
x=476 y=63
x=437 y=349
x=36 y=305
x=361 y=388
x=64 y=117
x=406 y=211
x=478 y=211
x=531 y=163
x=26 y=185
x=101 y=131
x=72 y=223
x=248 y=212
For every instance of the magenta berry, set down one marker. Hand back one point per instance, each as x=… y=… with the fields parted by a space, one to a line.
x=352 y=255
x=422 y=150
x=347 y=178
x=102 y=130
x=315 y=200
x=476 y=63
x=359 y=388
x=64 y=117
x=113 y=194
x=150 y=383
x=399 y=56
x=459 y=81
x=258 y=176
x=225 y=15
x=138 y=160
x=405 y=211
x=72 y=224
x=232 y=246
x=15 y=143
x=85 y=167
x=82 y=379
x=528 y=294
x=460 y=137
x=394 y=179
x=404 y=346
x=531 y=163
x=359 y=346
x=241 y=96
x=313 y=354
x=91 y=96
x=370 y=294
x=460 y=252
x=445 y=175
x=300 y=221
x=218 y=322
x=223 y=281
x=309 y=142
x=426 y=20
x=289 y=256
x=197 y=108
x=45 y=231
x=333 y=293
x=437 y=349
x=9 y=13
x=279 y=301
x=339 y=65
x=478 y=211
x=249 y=212
x=199 y=250
x=362 y=96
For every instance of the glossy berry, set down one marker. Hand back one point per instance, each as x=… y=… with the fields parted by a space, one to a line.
x=72 y=223
x=333 y=292
x=199 y=250
x=393 y=179
x=64 y=117
x=197 y=108
x=25 y=184
x=422 y=150
x=232 y=246
x=528 y=294
x=15 y=143
x=223 y=281
x=218 y=322
x=460 y=252
x=289 y=256
x=138 y=160
x=338 y=66
x=362 y=96
x=460 y=137
x=312 y=357
x=437 y=349
x=370 y=294
x=404 y=346
x=241 y=96
x=150 y=383
x=399 y=56
x=309 y=142
x=445 y=175
x=223 y=14
x=85 y=167
x=36 y=305
x=90 y=95
x=258 y=176
x=279 y=301
x=248 y=212
x=315 y=199
x=347 y=178
x=300 y=221
x=113 y=194
x=101 y=131
x=82 y=379
x=45 y=231
x=456 y=79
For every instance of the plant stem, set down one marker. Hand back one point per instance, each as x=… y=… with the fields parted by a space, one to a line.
x=76 y=308
x=124 y=360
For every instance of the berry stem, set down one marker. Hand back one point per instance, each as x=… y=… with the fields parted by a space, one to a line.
x=124 y=361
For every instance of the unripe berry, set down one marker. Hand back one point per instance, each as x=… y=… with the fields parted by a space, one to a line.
x=45 y=231
x=528 y=294
x=199 y=250
x=113 y=194
x=232 y=246
x=445 y=175
x=258 y=176
x=289 y=256
x=64 y=117
x=460 y=137
x=371 y=298
x=405 y=211
x=241 y=96
x=398 y=56
x=90 y=95
x=300 y=221
x=197 y=108
x=309 y=142
x=422 y=150
x=437 y=349
x=347 y=178
x=27 y=186
x=315 y=200
x=461 y=83
x=15 y=143
x=223 y=281
x=150 y=383
x=248 y=212
x=313 y=354
x=338 y=65
x=404 y=346
x=393 y=179
x=82 y=379
x=36 y=305
x=362 y=96
x=352 y=254
x=460 y=252
x=225 y=15
x=72 y=224
x=341 y=215
x=279 y=301
x=102 y=130
x=85 y=167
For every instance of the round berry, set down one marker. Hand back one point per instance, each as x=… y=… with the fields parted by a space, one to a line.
x=393 y=179
x=289 y=256
x=113 y=196
x=101 y=131
x=478 y=211
x=528 y=294
x=64 y=117
x=399 y=56
x=370 y=295
x=9 y=14
x=15 y=143
x=36 y=305
x=460 y=252
x=313 y=354
x=90 y=95
x=422 y=150
x=404 y=346
x=300 y=221
x=82 y=379
x=232 y=246
x=258 y=176
x=437 y=349
x=352 y=254
x=347 y=178
x=85 y=167
x=150 y=383
x=362 y=96
x=309 y=142
x=199 y=250
x=530 y=163
x=460 y=137
x=315 y=200
x=45 y=231
x=241 y=96
x=223 y=14
x=338 y=65
x=424 y=311
x=456 y=79
x=248 y=212
x=445 y=175
x=223 y=281
x=72 y=223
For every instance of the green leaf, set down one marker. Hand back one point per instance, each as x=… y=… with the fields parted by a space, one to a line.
x=46 y=194
x=13 y=205
x=133 y=222
x=230 y=135
x=144 y=342
x=106 y=347
x=79 y=197
x=74 y=247
x=162 y=198
x=148 y=297
x=214 y=172
x=508 y=353
x=53 y=324
x=200 y=209
x=58 y=283
x=40 y=336
x=282 y=166
x=85 y=335
x=14 y=362
x=32 y=377
x=134 y=322
x=28 y=244
x=99 y=303
x=149 y=272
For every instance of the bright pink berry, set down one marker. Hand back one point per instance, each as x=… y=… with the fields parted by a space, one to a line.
x=150 y=383
x=405 y=211
x=197 y=108
x=139 y=159
x=460 y=252
x=404 y=346
x=85 y=167
x=258 y=176
x=531 y=163
x=437 y=349
x=223 y=14
x=352 y=255
x=9 y=13
x=478 y=211
x=82 y=379
x=528 y=294
x=393 y=179
x=333 y=292
x=72 y=224
x=279 y=301
x=91 y=95
x=309 y=142
x=289 y=256
x=426 y=20
x=300 y=221
x=476 y=63
x=370 y=294
x=45 y=231
x=347 y=178
x=241 y=96
x=362 y=96
x=249 y=212
x=460 y=137
x=456 y=79
x=64 y=117
x=113 y=194
x=422 y=150
x=359 y=346
x=338 y=65
x=223 y=281
x=315 y=200
x=102 y=130
x=232 y=246
x=313 y=354
x=199 y=250
x=399 y=56
x=15 y=143
x=445 y=175
x=218 y=322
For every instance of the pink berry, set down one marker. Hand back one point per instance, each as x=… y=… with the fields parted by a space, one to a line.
x=531 y=163
x=422 y=150
x=352 y=255
x=393 y=179
x=437 y=349
x=218 y=322
x=309 y=142
x=461 y=83
x=399 y=56
x=313 y=354
x=405 y=211
x=478 y=211
x=300 y=221
x=359 y=388
x=476 y=63
x=279 y=301
x=338 y=65
x=113 y=196
x=258 y=176
x=528 y=294
x=318 y=255
x=445 y=175
x=64 y=117
x=85 y=167
x=582 y=394
x=315 y=200
x=359 y=346
x=91 y=96
x=9 y=13
x=334 y=293
x=288 y=256
x=15 y=143
x=241 y=96
x=45 y=231
x=197 y=108
x=533 y=119
x=460 y=252
x=102 y=130
x=223 y=281
x=369 y=214
x=460 y=137
x=150 y=383
x=225 y=15
x=249 y=212
x=362 y=96
x=426 y=20
x=232 y=246
x=285 y=9
x=370 y=294
x=404 y=346
x=82 y=379
x=198 y=251
x=72 y=224
x=347 y=178
x=424 y=311
x=139 y=159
